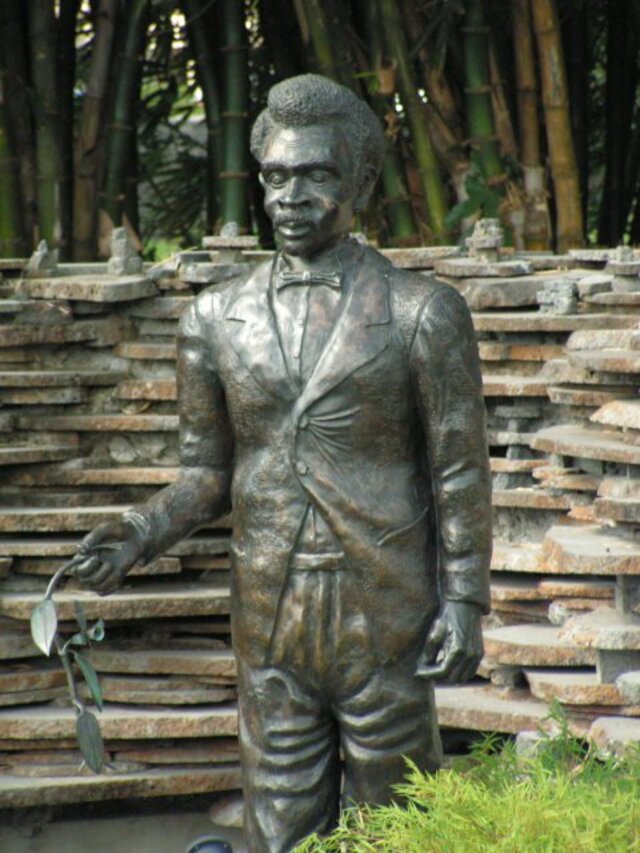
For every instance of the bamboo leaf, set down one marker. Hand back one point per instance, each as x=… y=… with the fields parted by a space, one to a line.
x=91 y=677
x=96 y=632
x=90 y=740
x=44 y=624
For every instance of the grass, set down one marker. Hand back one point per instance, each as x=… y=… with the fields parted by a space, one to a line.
x=563 y=799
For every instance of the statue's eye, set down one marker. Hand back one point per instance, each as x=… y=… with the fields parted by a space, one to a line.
x=320 y=176
x=276 y=179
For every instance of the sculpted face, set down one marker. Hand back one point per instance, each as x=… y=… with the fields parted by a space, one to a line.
x=309 y=185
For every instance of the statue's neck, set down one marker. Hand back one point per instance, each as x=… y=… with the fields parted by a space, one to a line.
x=326 y=260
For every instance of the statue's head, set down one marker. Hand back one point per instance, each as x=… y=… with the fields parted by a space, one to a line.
x=320 y=150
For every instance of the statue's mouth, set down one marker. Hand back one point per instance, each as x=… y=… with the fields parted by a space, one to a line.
x=293 y=227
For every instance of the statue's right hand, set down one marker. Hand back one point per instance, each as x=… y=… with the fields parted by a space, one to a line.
x=111 y=549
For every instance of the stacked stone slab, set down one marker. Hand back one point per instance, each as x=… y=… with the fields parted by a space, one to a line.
x=88 y=423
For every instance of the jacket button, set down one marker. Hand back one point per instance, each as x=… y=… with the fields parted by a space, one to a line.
x=304 y=422
x=301 y=468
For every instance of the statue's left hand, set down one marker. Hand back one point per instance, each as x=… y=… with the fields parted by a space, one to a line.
x=454 y=647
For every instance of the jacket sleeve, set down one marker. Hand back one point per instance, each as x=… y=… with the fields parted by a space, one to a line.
x=446 y=375
x=201 y=492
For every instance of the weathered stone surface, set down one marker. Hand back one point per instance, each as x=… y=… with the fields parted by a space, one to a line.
x=17 y=792
x=615 y=734
x=566 y=478
x=623 y=510
x=30 y=697
x=58 y=378
x=527 y=498
x=626 y=300
x=207 y=273
x=500 y=465
x=589 y=285
x=97 y=288
x=146 y=351
x=57 y=475
x=628 y=685
x=479 y=268
x=17 y=677
x=515 y=556
x=217 y=664
x=486 y=709
x=106 y=331
x=133 y=691
x=587 y=443
x=568 y=687
x=164 y=308
x=533 y=321
x=147 y=389
x=611 y=361
x=592 y=588
x=605 y=339
x=578 y=395
x=419 y=257
x=619 y=413
x=37 y=453
x=46 y=520
x=146 y=602
x=604 y=628
x=483 y=293
x=14 y=643
x=42 y=396
x=47 y=566
x=559 y=370
x=533 y=645
x=501 y=351
x=100 y=423
x=588 y=551
x=64 y=546
x=514 y=386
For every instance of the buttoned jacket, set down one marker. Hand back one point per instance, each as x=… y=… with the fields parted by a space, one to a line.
x=386 y=439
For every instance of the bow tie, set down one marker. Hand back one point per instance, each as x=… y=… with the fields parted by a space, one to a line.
x=286 y=277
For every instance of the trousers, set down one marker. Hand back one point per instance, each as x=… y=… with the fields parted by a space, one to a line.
x=324 y=721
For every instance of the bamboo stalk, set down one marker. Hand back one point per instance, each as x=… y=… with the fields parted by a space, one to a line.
x=427 y=164
x=66 y=65
x=42 y=32
x=198 y=24
x=89 y=143
x=537 y=225
x=12 y=243
x=17 y=95
x=235 y=159
x=569 y=224
x=316 y=36
x=122 y=126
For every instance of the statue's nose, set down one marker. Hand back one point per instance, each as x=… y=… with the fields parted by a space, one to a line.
x=294 y=192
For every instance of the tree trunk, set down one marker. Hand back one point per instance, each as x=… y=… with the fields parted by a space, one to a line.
x=569 y=226
x=537 y=225
x=122 y=127
x=426 y=161
x=234 y=176
x=43 y=40
x=576 y=43
x=89 y=143
x=66 y=63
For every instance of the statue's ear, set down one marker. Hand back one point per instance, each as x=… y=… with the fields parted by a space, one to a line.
x=367 y=182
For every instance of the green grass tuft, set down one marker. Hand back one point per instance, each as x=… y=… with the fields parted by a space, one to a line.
x=564 y=799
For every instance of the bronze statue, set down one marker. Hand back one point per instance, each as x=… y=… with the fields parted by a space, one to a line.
x=335 y=402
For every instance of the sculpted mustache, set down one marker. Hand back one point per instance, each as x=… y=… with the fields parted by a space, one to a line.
x=291 y=220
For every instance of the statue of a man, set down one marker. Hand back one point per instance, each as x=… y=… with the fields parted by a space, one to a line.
x=335 y=402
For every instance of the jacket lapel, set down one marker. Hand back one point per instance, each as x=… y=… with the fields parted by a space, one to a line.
x=251 y=328
x=360 y=334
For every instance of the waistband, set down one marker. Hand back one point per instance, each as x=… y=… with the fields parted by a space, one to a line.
x=328 y=562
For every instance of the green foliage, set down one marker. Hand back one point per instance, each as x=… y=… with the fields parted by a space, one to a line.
x=563 y=798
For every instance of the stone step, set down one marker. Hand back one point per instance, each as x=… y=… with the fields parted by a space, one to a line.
x=515 y=556
x=609 y=361
x=501 y=465
x=58 y=378
x=17 y=792
x=624 y=300
x=619 y=413
x=147 y=389
x=619 y=510
x=567 y=479
x=543 y=589
x=66 y=546
x=216 y=664
x=586 y=442
x=534 y=321
x=615 y=734
x=526 y=498
x=42 y=396
x=579 y=395
x=146 y=351
x=533 y=645
x=141 y=690
x=100 y=423
x=488 y=709
x=144 y=602
x=57 y=520
x=15 y=643
x=482 y=293
x=37 y=453
x=494 y=351
x=572 y=687
x=562 y=371
x=46 y=566
x=514 y=386
x=605 y=339
x=160 y=308
x=59 y=475
x=604 y=628
x=588 y=550
x=90 y=288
